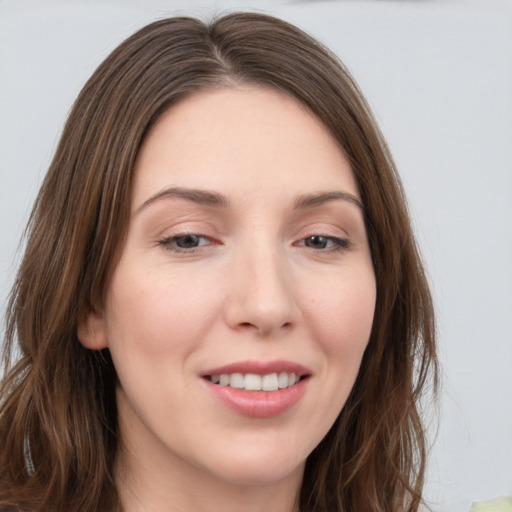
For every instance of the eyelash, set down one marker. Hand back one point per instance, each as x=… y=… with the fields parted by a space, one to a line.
x=338 y=244
x=169 y=243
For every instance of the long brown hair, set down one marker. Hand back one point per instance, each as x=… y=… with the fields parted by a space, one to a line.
x=58 y=417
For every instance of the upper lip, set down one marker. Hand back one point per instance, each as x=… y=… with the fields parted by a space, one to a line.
x=259 y=368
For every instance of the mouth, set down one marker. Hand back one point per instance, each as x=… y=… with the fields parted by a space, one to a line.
x=258 y=389
x=256 y=382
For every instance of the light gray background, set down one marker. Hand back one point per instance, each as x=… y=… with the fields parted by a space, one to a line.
x=438 y=75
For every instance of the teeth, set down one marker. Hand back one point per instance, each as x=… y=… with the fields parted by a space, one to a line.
x=253 y=382
x=270 y=382
x=236 y=380
x=283 y=380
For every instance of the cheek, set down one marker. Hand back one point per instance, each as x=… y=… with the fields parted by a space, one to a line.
x=342 y=316
x=150 y=315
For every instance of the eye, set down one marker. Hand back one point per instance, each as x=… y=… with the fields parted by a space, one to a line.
x=184 y=243
x=322 y=242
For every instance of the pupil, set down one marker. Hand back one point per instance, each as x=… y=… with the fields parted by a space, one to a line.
x=316 y=241
x=187 y=241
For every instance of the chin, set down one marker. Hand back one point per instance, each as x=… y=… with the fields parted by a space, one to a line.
x=246 y=467
x=260 y=473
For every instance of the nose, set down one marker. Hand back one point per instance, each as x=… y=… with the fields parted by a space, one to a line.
x=261 y=297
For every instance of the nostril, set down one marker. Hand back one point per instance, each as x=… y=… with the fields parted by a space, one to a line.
x=246 y=325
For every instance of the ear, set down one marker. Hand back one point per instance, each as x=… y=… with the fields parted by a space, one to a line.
x=91 y=330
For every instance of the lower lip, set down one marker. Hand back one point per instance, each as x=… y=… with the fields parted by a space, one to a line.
x=259 y=404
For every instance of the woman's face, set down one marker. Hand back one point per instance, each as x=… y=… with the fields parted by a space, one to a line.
x=246 y=262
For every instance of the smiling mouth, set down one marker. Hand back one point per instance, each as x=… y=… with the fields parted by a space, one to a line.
x=255 y=382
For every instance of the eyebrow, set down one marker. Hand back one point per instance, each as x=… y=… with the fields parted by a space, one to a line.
x=210 y=198
x=320 y=198
x=205 y=197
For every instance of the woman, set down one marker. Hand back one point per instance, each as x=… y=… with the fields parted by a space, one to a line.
x=221 y=304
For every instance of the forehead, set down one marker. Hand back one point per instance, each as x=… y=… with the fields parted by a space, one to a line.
x=239 y=139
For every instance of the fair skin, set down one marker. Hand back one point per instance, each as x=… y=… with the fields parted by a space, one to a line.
x=246 y=253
